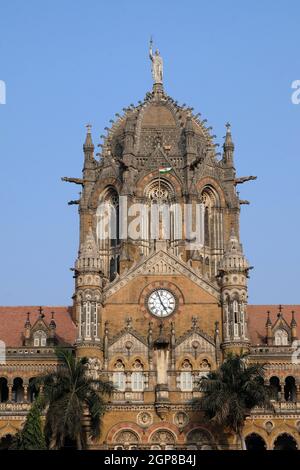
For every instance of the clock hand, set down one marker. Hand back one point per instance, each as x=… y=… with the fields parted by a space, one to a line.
x=162 y=302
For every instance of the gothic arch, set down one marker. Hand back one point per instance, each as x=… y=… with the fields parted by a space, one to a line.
x=255 y=441
x=285 y=441
x=100 y=188
x=211 y=184
x=146 y=179
x=123 y=426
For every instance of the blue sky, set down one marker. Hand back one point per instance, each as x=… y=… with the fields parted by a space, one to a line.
x=66 y=63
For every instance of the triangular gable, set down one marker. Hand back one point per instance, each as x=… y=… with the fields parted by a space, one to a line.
x=160 y=263
x=118 y=343
x=185 y=342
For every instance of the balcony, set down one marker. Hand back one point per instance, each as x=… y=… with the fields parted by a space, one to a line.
x=280 y=407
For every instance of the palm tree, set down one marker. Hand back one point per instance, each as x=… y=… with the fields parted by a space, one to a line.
x=67 y=394
x=232 y=391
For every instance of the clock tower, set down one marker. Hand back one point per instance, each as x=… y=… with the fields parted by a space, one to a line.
x=154 y=310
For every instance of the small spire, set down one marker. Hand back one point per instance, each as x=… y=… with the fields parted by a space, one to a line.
x=293 y=321
x=88 y=144
x=228 y=144
x=41 y=313
x=269 y=322
x=52 y=323
x=27 y=322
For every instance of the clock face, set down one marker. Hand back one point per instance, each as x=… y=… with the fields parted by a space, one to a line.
x=161 y=303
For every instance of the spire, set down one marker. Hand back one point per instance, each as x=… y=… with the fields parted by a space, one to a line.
x=52 y=323
x=228 y=146
x=293 y=321
x=89 y=257
x=268 y=322
x=88 y=144
x=27 y=322
x=294 y=334
x=234 y=259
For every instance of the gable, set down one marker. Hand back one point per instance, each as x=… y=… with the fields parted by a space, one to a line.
x=161 y=264
x=120 y=345
x=186 y=344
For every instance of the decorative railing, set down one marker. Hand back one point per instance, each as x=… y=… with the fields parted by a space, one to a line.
x=128 y=396
x=279 y=407
x=14 y=407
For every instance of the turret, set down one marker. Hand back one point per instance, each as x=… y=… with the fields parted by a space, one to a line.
x=233 y=273
x=294 y=335
x=269 y=334
x=228 y=148
x=88 y=292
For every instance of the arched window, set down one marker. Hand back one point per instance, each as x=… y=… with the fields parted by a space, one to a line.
x=137 y=377
x=235 y=310
x=186 y=377
x=3 y=390
x=275 y=388
x=281 y=338
x=285 y=442
x=39 y=339
x=18 y=390
x=290 y=389
x=108 y=231
x=119 y=376
x=255 y=442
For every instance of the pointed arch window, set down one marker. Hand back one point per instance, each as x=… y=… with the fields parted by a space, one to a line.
x=186 y=377
x=281 y=338
x=235 y=310
x=119 y=376
x=137 y=377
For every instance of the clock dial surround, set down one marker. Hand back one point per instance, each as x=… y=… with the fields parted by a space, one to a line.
x=161 y=303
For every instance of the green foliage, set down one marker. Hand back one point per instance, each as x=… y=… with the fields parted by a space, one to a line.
x=68 y=393
x=230 y=393
x=31 y=437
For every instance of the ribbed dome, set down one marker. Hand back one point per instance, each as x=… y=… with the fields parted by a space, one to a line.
x=158 y=113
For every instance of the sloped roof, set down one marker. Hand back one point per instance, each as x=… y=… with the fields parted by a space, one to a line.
x=257 y=317
x=12 y=321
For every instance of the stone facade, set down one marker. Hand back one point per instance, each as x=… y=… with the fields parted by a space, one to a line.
x=153 y=360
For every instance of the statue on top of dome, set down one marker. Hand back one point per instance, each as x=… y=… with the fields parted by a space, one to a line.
x=157 y=64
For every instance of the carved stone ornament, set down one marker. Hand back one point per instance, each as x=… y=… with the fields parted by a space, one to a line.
x=181 y=419
x=144 y=419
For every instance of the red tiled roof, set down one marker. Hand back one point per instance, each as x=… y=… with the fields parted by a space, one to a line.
x=12 y=321
x=257 y=317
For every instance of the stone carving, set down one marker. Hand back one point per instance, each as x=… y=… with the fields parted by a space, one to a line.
x=269 y=426
x=181 y=419
x=128 y=342
x=157 y=64
x=94 y=367
x=163 y=436
x=144 y=419
x=126 y=437
x=199 y=437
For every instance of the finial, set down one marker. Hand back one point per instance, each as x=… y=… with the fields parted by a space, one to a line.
x=228 y=126
x=280 y=311
x=52 y=323
x=41 y=313
x=27 y=322
x=268 y=323
x=88 y=127
x=128 y=323
x=194 y=322
x=293 y=322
